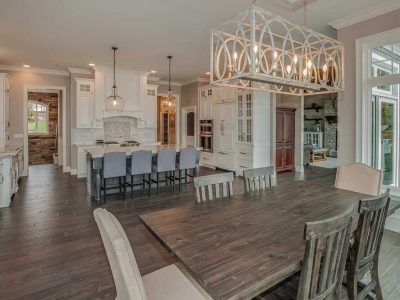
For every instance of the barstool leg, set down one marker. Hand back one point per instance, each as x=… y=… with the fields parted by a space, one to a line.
x=149 y=184
x=143 y=182
x=105 y=190
x=131 y=186
x=158 y=183
x=124 y=181
x=180 y=179
x=186 y=176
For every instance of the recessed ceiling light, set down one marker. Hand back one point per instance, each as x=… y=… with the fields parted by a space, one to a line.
x=153 y=72
x=92 y=65
x=26 y=66
x=208 y=73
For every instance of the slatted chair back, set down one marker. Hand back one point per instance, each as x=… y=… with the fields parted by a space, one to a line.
x=359 y=178
x=327 y=243
x=364 y=253
x=258 y=179
x=125 y=271
x=212 y=183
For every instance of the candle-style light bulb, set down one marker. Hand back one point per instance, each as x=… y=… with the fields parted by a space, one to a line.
x=305 y=72
x=325 y=68
x=114 y=102
x=295 y=59
x=255 y=49
x=235 y=56
x=275 y=54
x=288 y=68
x=309 y=64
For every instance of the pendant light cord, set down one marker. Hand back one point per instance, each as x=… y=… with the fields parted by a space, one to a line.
x=115 y=49
x=169 y=73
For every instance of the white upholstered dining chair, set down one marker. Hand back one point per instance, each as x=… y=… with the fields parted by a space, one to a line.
x=359 y=178
x=168 y=283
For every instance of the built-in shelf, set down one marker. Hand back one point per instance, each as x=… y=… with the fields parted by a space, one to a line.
x=316 y=108
x=313 y=119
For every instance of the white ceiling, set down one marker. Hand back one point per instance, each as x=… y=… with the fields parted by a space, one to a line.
x=60 y=34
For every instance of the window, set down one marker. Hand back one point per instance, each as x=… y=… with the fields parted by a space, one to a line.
x=38 y=118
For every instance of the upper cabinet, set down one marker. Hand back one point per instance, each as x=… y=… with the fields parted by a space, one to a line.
x=4 y=109
x=206 y=103
x=132 y=86
x=150 y=107
x=85 y=103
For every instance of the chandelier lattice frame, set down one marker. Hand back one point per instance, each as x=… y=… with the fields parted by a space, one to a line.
x=262 y=51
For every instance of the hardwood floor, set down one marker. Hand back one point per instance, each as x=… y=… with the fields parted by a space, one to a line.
x=50 y=247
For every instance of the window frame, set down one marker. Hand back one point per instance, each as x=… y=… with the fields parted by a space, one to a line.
x=36 y=114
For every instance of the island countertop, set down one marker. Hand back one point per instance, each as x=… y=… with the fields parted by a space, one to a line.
x=98 y=152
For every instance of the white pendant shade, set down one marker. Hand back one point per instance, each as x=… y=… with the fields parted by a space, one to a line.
x=260 y=50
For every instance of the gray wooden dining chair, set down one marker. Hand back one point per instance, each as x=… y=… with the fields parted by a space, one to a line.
x=258 y=179
x=364 y=252
x=359 y=178
x=327 y=244
x=212 y=183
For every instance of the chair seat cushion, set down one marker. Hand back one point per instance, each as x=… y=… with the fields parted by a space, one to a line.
x=170 y=283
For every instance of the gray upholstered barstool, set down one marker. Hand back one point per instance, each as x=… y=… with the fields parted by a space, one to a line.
x=141 y=163
x=165 y=163
x=114 y=166
x=187 y=158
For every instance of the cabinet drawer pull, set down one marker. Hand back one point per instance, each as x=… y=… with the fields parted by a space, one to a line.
x=243 y=153
x=224 y=153
x=205 y=158
x=244 y=167
x=1 y=179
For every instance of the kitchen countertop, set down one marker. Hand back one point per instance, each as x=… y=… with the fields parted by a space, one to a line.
x=98 y=152
x=11 y=150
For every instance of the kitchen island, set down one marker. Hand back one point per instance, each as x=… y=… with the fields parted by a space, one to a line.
x=94 y=162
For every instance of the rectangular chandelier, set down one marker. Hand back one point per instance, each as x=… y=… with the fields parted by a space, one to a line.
x=260 y=50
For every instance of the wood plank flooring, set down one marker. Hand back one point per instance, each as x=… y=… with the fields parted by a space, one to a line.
x=50 y=247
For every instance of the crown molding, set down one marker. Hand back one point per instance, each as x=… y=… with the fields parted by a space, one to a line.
x=173 y=83
x=153 y=78
x=80 y=71
x=365 y=14
x=197 y=79
x=34 y=70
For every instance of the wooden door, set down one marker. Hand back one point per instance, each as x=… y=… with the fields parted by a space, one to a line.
x=285 y=139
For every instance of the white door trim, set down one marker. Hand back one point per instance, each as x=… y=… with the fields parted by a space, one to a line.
x=63 y=90
x=178 y=116
x=364 y=84
x=185 y=111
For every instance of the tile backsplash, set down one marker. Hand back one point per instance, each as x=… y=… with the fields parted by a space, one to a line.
x=116 y=129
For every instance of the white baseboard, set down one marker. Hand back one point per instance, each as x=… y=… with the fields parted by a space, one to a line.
x=73 y=171
x=299 y=169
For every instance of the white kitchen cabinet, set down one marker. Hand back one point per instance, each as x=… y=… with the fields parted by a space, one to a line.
x=254 y=147
x=151 y=106
x=84 y=103
x=4 y=109
x=132 y=87
x=206 y=159
x=6 y=189
x=225 y=135
x=81 y=162
x=206 y=103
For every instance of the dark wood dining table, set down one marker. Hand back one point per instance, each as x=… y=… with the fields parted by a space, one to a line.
x=240 y=246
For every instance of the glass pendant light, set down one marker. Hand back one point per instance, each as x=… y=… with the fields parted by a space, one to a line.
x=168 y=103
x=114 y=103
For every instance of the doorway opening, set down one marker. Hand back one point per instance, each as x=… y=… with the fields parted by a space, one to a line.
x=166 y=125
x=321 y=130
x=43 y=125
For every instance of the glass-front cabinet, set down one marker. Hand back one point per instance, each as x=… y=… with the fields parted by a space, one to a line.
x=245 y=117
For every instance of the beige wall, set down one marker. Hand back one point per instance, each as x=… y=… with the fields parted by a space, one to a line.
x=347 y=99
x=17 y=82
